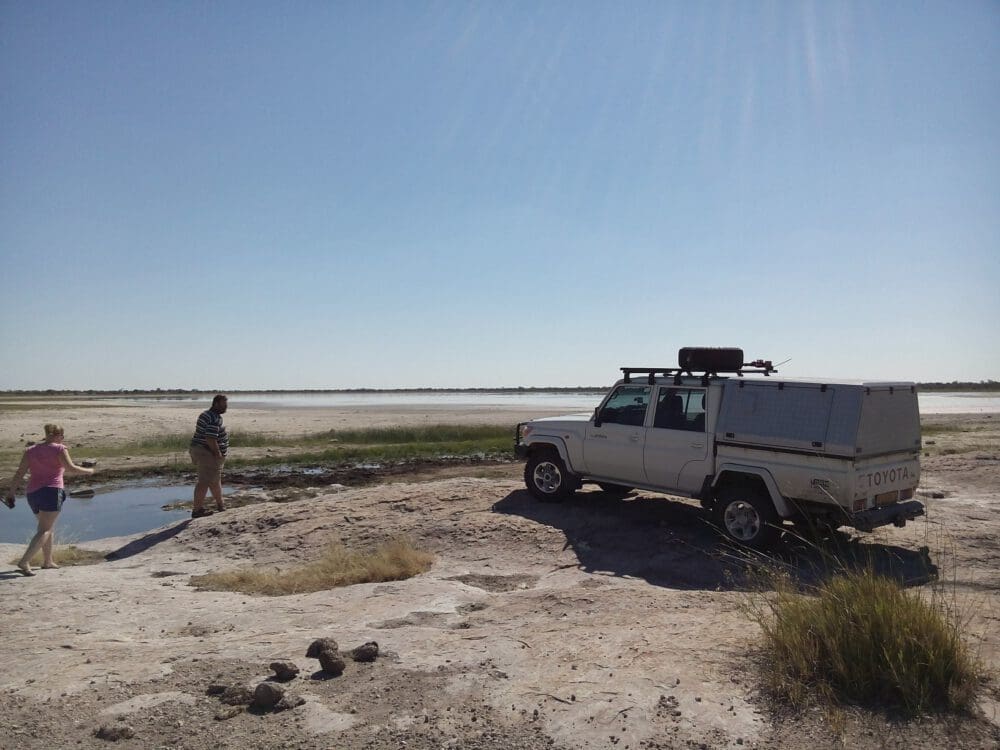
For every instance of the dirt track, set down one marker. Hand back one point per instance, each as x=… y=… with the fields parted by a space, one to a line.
x=595 y=623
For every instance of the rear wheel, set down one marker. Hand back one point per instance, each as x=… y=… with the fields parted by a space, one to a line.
x=546 y=477
x=747 y=516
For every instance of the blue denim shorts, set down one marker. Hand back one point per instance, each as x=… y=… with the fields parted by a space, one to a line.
x=47 y=499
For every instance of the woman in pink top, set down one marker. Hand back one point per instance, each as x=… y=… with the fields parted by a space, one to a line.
x=46 y=462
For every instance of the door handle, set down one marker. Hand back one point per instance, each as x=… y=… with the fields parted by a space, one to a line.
x=634 y=438
x=697 y=445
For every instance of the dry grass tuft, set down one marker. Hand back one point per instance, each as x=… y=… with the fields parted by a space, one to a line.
x=862 y=639
x=394 y=560
x=68 y=556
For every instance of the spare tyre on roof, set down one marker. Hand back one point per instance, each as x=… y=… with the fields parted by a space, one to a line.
x=710 y=359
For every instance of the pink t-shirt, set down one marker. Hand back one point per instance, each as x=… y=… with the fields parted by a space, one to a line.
x=45 y=464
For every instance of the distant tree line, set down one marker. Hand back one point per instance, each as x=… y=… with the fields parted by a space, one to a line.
x=183 y=392
x=954 y=385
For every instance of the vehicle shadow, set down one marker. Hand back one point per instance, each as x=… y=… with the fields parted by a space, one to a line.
x=672 y=542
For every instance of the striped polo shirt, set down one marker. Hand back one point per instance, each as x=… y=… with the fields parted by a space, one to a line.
x=210 y=426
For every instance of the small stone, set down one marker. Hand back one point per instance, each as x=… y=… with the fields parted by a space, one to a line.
x=321 y=644
x=365 y=652
x=114 y=732
x=289 y=701
x=236 y=695
x=228 y=713
x=267 y=694
x=284 y=670
x=331 y=662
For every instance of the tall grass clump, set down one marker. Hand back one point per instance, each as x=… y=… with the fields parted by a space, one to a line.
x=932 y=430
x=67 y=556
x=437 y=433
x=180 y=442
x=394 y=560
x=862 y=639
x=388 y=443
x=391 y=444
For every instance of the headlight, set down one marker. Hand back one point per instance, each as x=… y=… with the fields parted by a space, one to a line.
x=526 y=429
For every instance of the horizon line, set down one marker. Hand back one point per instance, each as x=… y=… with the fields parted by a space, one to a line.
x=929 y=385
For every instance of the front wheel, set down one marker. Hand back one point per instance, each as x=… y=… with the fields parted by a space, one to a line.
x=747 y=516
x=546 y=477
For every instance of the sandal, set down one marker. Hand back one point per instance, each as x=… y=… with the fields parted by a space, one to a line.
x=201 y=513
x=25 y=571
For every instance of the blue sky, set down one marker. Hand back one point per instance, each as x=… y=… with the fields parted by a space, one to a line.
x=400 y=194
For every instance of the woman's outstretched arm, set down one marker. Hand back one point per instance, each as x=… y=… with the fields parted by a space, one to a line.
x=71 y=467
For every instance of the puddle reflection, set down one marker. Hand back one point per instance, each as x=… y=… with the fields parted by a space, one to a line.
x=111 y=511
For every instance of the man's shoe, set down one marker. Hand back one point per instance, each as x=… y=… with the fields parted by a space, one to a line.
x=201 y=513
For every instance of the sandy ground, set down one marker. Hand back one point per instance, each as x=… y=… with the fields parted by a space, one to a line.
x=596 y=623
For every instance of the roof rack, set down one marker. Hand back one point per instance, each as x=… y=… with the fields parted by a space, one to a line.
x=760 y=367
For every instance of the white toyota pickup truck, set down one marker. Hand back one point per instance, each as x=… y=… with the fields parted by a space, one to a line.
x=754 y=449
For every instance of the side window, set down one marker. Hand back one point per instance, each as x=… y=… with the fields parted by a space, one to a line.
x=695 y=411
x=627 y=405
x=680 y=409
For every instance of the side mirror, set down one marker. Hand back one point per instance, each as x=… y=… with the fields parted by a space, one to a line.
x=597 y=416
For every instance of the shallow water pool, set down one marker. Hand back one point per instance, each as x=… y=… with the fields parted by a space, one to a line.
x=112 y=511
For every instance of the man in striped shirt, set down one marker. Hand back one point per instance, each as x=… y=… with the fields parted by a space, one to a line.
x=208 y=452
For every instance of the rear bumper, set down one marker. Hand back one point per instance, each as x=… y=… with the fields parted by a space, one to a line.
x=897 y=514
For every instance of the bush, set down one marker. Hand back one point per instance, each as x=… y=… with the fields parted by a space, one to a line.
x=863 y=639
x=395 y=560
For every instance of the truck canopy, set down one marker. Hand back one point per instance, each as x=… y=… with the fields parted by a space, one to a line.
x=847 y=420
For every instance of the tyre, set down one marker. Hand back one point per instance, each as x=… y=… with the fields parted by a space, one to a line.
x=746 y=515
x=546 y=477
x=710 y=359
x=614 y=490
